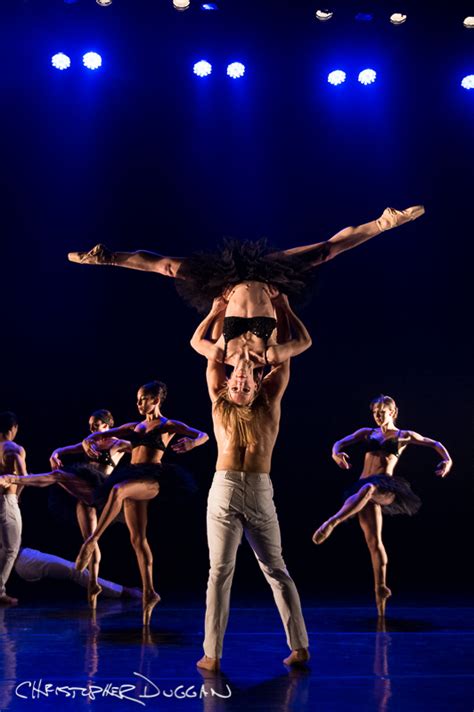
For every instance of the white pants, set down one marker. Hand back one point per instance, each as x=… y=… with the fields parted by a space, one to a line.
x=33 y=565
x=243 y=502
x=10 y=536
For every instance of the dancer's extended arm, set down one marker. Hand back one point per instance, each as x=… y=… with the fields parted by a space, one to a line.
x=55 y=459
x=202 y=341
x=412 y=438
x=342 y=458
x=193 y=438
x=90 y=443
x=351 y=237
x=301 y=339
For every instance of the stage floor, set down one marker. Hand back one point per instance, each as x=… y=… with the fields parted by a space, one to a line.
x=422 y=661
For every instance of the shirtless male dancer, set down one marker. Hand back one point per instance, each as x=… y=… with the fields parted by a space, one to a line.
x=241 y=500
x=12 y=459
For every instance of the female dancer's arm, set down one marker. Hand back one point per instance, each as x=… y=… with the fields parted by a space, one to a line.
x=446 y=463
x=193 y=438
x=55 y=459
x=201 y=341
x=301 y=339
x=342 y=458
x=90 y=443
x=352 y=236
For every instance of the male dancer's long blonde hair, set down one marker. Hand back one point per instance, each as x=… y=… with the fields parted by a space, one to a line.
x=242 y=422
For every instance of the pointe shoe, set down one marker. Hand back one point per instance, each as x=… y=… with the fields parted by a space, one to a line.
x=211 y=664
x=148 y=605
x=391 y=218
x=84 y=556
x=297 y=658
x=92 y=595
x=99 y=255
x=324 y=531
x=382 y=593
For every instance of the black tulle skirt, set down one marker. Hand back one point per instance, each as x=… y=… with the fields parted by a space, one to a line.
x=405 y=502
x=204 y=276
x=173 y=480
x=62 y=504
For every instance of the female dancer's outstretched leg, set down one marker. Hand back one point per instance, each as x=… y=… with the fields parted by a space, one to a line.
x=370 y=520
x=136 y=517
x=351 y=506
x=87 y=520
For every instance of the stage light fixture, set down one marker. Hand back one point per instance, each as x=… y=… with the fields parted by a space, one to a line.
x=61 y=61
x=367 y=76
x=468 y=82
x=324 y=15
x=469 y=23
x=202 y=68
x=181 y=5
x=235 y=70
x=398 y=18
x=104 y=3
x=364 y=17
x=92 y=60
x=209 y=6
x=336 y=77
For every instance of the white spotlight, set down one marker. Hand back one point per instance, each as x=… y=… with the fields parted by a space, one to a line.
x=60 y=61
x=181 y=5
x=398 y=18
x=324 y=15
x=104 y=3
x=367 y=76
x=338 y=76
x=202 y=68
x=469 y=23
x=92 y=60
x=468 y=82
x=236 y=70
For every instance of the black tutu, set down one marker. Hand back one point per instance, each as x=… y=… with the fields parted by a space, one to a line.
x=405 y=502
x=62 y=504
x=204 y=276
x=173 y=480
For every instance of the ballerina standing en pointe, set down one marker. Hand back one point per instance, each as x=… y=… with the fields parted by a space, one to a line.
x=379 y=491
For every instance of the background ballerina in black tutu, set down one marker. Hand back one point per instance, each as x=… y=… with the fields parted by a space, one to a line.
x=379 y=491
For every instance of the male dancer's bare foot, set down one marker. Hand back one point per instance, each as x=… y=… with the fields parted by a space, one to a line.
x=212 y=664
x=149 y=602
x=93 y=592
x=297 y=658
x=6 y=600
x=382 y=593
x=324 y=531
x=99 y=255
x=85 y=554
x=393 y=218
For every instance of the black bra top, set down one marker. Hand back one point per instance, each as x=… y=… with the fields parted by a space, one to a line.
x=390 y=446
x=104 y=458
x=260 y=326
x=151 y=438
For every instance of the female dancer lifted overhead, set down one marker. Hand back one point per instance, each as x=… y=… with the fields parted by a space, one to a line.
x=203 y=277
x=378 y=490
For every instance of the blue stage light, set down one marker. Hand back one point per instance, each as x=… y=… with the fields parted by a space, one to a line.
x=468 y=82
x=367 y=76
x=364 y=17
x=202 y=68
x=209 y=6
x=336 y=77
x=60 y=61
x=236 y=70
x=92 y=60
